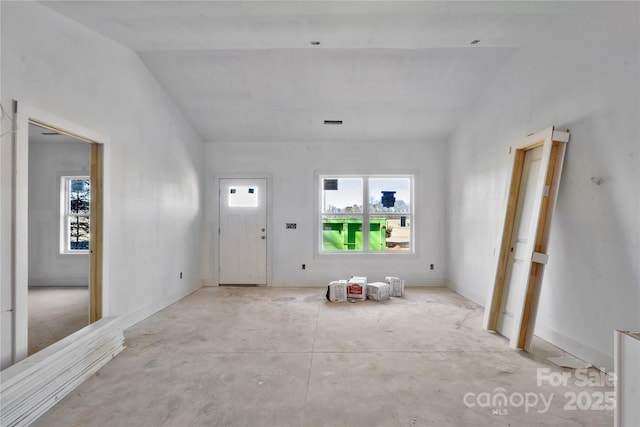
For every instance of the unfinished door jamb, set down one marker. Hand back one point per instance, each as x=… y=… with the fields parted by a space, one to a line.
x=96 y=230
x=554 y=146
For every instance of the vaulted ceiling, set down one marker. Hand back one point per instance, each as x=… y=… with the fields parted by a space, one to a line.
x=391 y=71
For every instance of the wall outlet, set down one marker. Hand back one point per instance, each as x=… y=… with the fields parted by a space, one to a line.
x=304 y=266
x=431 y=267
x=181 y=275
x=291 y=225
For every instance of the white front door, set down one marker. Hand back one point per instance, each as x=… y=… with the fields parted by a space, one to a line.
x=243 y=231
x=518 y=261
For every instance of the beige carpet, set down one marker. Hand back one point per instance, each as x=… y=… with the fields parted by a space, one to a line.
x=54 y=313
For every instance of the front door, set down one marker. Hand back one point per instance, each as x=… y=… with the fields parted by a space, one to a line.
x=518 y=261
x=243 y=231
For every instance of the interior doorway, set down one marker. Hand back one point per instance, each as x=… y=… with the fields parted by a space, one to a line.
x=58 y=220
x=59 y=196
x=243 y=231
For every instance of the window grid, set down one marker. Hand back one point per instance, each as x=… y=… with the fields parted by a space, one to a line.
x=75 y=214
x=389 y=228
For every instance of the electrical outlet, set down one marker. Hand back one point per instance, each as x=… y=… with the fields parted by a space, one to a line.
x=181 y=275
x=291 y=225
x=431 y=267
x=304 y=266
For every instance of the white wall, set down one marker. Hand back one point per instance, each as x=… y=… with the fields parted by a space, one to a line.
x=583 y=77
x=153 y=190
x=291 y=167
x=49 y=161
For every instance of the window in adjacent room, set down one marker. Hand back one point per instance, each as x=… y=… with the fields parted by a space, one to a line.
x=379 y=204
x=75 y=208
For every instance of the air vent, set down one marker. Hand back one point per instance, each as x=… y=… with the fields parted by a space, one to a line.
x=333 y=122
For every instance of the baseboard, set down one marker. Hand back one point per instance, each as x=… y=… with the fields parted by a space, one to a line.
x=317 y=284
x=435 y=283
x=579 y=350
x=133 y=318
x=479 y=299
x=59 y=282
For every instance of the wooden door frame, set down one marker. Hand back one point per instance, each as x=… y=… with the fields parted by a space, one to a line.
x=216 y=230
x=23 y=116
x=553 y=145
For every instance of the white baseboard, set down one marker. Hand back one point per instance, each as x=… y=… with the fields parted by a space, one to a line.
x=133 y=318
x=59 y=282
x=475 y=297
x=581 y=351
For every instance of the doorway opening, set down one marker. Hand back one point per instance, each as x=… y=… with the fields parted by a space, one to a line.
x=59 y=197
x=58 y=230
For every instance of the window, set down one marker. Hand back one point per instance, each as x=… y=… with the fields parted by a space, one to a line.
x=380 y=204
x=243 y=197
x=75 y=207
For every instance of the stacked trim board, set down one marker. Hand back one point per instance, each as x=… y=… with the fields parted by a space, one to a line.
x=32 y=386
x=358 y=289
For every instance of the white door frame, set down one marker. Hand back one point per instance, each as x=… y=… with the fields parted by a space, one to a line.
x=554 y=145
x=216 y=225
x=23 y=114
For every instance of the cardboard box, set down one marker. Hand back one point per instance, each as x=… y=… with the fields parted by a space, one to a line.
x=396 y=286
x=357 y=288
x=378 y=291
x=337 y=291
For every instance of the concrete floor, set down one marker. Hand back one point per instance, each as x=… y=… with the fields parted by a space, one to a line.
x=286 y=357
x=54 y=313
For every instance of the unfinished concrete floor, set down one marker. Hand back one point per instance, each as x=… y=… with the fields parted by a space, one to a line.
x=54 y=313
x=287 y=357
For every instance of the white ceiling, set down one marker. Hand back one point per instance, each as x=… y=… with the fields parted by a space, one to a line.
x=392 y=71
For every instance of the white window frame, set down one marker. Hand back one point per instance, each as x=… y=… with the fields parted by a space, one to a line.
x=65 y=214
x=365 y=214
